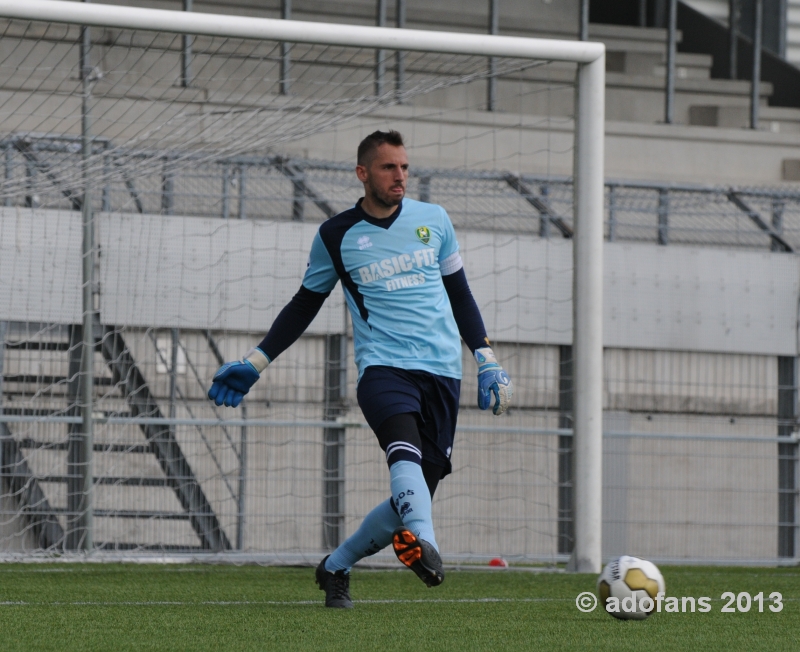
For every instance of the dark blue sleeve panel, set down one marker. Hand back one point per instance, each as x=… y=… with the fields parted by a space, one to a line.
x=292 y=321
x=465 y=310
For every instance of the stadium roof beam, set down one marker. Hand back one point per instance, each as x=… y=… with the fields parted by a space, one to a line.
x=301 y=188
x=539 y=204
x=131 y=188
x=24 y=147
x=777 y=238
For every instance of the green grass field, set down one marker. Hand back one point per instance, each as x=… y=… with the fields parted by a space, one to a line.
x=197 y=607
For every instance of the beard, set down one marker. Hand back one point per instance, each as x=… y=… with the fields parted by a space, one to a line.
x=384 y=198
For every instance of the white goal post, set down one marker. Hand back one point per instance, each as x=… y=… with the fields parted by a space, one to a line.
x=587 y=170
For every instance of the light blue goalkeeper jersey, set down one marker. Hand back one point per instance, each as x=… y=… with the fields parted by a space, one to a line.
x=391 y=270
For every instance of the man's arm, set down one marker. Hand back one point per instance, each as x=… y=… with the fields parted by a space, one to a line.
x=492 y=378
x=234 y=379
x=292 y=322
x=465 y=310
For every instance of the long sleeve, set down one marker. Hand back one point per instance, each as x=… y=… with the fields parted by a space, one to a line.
x=292 y=321
x=465 y=310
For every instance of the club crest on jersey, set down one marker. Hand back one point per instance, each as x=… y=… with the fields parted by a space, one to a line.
x=424 y=234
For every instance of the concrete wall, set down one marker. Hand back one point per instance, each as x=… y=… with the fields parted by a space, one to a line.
x=236 y=275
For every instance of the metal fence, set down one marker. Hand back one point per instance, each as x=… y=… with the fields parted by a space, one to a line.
x=686 y=477
x=281 y=188
x=704 y=469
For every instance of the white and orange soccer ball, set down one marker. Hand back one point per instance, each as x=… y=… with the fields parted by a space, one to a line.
x=628 y=587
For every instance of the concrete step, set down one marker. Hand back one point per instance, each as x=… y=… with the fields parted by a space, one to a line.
x=628 y=38
x=640 y=98
x=774 y=119
x=780 y=120
x=687 y=66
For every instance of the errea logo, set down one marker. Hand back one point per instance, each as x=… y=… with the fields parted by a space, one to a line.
x=364 y=242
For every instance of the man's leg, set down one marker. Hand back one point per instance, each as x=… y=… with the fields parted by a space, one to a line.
x=373 y=535
x=375 y=531
x=399 y=437
x=381 y=391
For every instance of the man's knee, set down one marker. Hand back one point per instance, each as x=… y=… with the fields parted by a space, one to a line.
x=399 y=438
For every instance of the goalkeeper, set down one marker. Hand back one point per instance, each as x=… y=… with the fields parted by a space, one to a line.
x=409 y=300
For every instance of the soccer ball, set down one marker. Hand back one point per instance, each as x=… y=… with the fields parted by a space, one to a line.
x=628 y=587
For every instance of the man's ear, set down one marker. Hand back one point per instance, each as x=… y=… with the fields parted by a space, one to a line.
x=361 y=173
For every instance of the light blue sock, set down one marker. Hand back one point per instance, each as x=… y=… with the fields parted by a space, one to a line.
x=412 y=499
x=373 y=535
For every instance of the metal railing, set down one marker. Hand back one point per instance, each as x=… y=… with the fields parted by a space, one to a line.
x=278 y=187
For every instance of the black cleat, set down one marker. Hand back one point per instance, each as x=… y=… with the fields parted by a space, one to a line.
x=336 y=586
x=419 y=555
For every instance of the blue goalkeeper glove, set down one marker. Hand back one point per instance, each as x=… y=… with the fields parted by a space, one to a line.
x=492 y=380
x=234 y=379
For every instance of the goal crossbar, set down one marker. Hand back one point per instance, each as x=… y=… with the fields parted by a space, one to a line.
x=587 y=170
x=295 y=31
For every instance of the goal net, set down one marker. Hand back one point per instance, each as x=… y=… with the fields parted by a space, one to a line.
x=180 y=176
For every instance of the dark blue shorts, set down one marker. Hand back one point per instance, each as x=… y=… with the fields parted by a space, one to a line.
x=386 y=391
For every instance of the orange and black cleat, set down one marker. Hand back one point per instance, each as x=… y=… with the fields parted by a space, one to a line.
x=419 y=555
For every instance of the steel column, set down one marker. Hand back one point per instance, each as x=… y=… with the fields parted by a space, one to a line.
x=783 y=10
x=84 y=447
x=242 y=173
x=494 y=29
x=672 y=40
x=755 y=84
x=241 y=520
x=584 y=18
x=173 y=374
x=226 y=191
x=380 y=54
x=30 y=183
x=663 y=216
x=76 y=444
x=333 y=442
x=612 y=213
x=566 y=514
x=787 y=457
x=186 y=52
x=734 y=16
x=105 y=204
x=425 y=189
x=286 y=51
x=167 y=188
x=299 y=197
x=400 y=56
x=544 y=216
x=3 y=331
x=9 y=172
x=240 y=503
x=777 y=223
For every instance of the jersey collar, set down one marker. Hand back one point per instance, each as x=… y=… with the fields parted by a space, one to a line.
x=384 y=223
